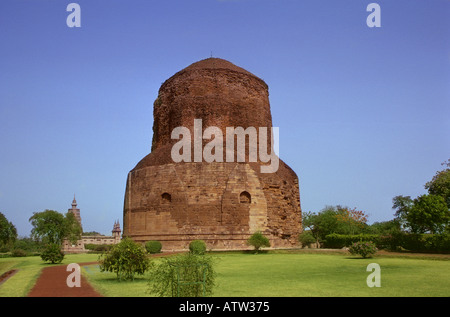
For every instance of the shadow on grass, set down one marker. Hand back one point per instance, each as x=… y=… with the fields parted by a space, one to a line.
x=359 y=257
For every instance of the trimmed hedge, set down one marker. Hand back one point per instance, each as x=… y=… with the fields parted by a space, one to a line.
x=338 y=241
x=407 y=241
x=197 y=247
x=425 y=242
x=98 y=247
x=153 y=246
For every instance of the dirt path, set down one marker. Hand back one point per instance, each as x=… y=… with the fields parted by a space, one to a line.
x=52 y=283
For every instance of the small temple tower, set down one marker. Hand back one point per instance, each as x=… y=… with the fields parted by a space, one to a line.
x=75 y=211
x=116 y=231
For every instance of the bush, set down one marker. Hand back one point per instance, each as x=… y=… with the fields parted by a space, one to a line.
x=98 y=247
x=258 y=240
x=187 y=275
x=52 y=253
x=339 y=241
x=153 y=247
x=306 y=239
x=126 y=259
x=18 y=253
x=197 y=247
x=363 y=248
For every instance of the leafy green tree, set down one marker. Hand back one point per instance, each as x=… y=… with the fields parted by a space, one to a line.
x=440 y=184
x=258 y=241
x=27 y=244
x=8 y=232
x=426 y=213
x=126 y=259
x=309 y=223
x=51 y=226
x=325 y=222
x=429 y=213
x=354 y=220
x=385 y=227
x=334 y=219
x=402 y=205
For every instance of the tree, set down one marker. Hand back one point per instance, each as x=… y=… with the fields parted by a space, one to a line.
x=126 y=259
x=440 y=184
x=402 y=205
x=326 y=222
x=53 y=227
x=429 y=213
x=334 y=219
x=426 y=213
x=385 y=227
x=352 y=218
x=8 y=232
x=258 y=240
x=308 y=223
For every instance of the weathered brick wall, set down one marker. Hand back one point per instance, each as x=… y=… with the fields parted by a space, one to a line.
x=222 y=203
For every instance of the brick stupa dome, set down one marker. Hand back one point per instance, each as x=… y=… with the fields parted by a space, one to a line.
x=219 y=202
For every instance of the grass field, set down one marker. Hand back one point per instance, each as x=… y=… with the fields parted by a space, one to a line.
x=303 y=274
x=269 y=274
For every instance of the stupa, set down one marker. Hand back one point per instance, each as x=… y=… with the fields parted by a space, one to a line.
x=223 y=201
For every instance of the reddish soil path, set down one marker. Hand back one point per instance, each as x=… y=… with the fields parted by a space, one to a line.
x=52 y=283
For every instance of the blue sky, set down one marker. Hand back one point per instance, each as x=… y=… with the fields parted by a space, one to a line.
x=363 y=113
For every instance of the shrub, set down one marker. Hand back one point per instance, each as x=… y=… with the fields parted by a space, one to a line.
x=126 y=259
x=153 y=247
x=197 y=247
x=98 y=247
x=187 y=275
x=339 y=241
x=52 y=253
x=18 y=253
x=306 y=239
x=363 y=248
x=258 y=240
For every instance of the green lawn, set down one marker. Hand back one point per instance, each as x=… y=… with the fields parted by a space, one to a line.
x=303 y=274
x=272 y=274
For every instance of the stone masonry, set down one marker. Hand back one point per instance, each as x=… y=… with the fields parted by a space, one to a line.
x=222 y=203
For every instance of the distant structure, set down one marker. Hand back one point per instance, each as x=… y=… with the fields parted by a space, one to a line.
x=75 y=211
x=220 y=202
x=79 y=247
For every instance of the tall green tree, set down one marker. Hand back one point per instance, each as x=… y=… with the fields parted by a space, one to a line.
x=8 y=232
x=354 y=220
x=334 y=219
x=429 y=213
x=439 y=185
x=426 y=213
x=402 y=205
x=50 y=226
